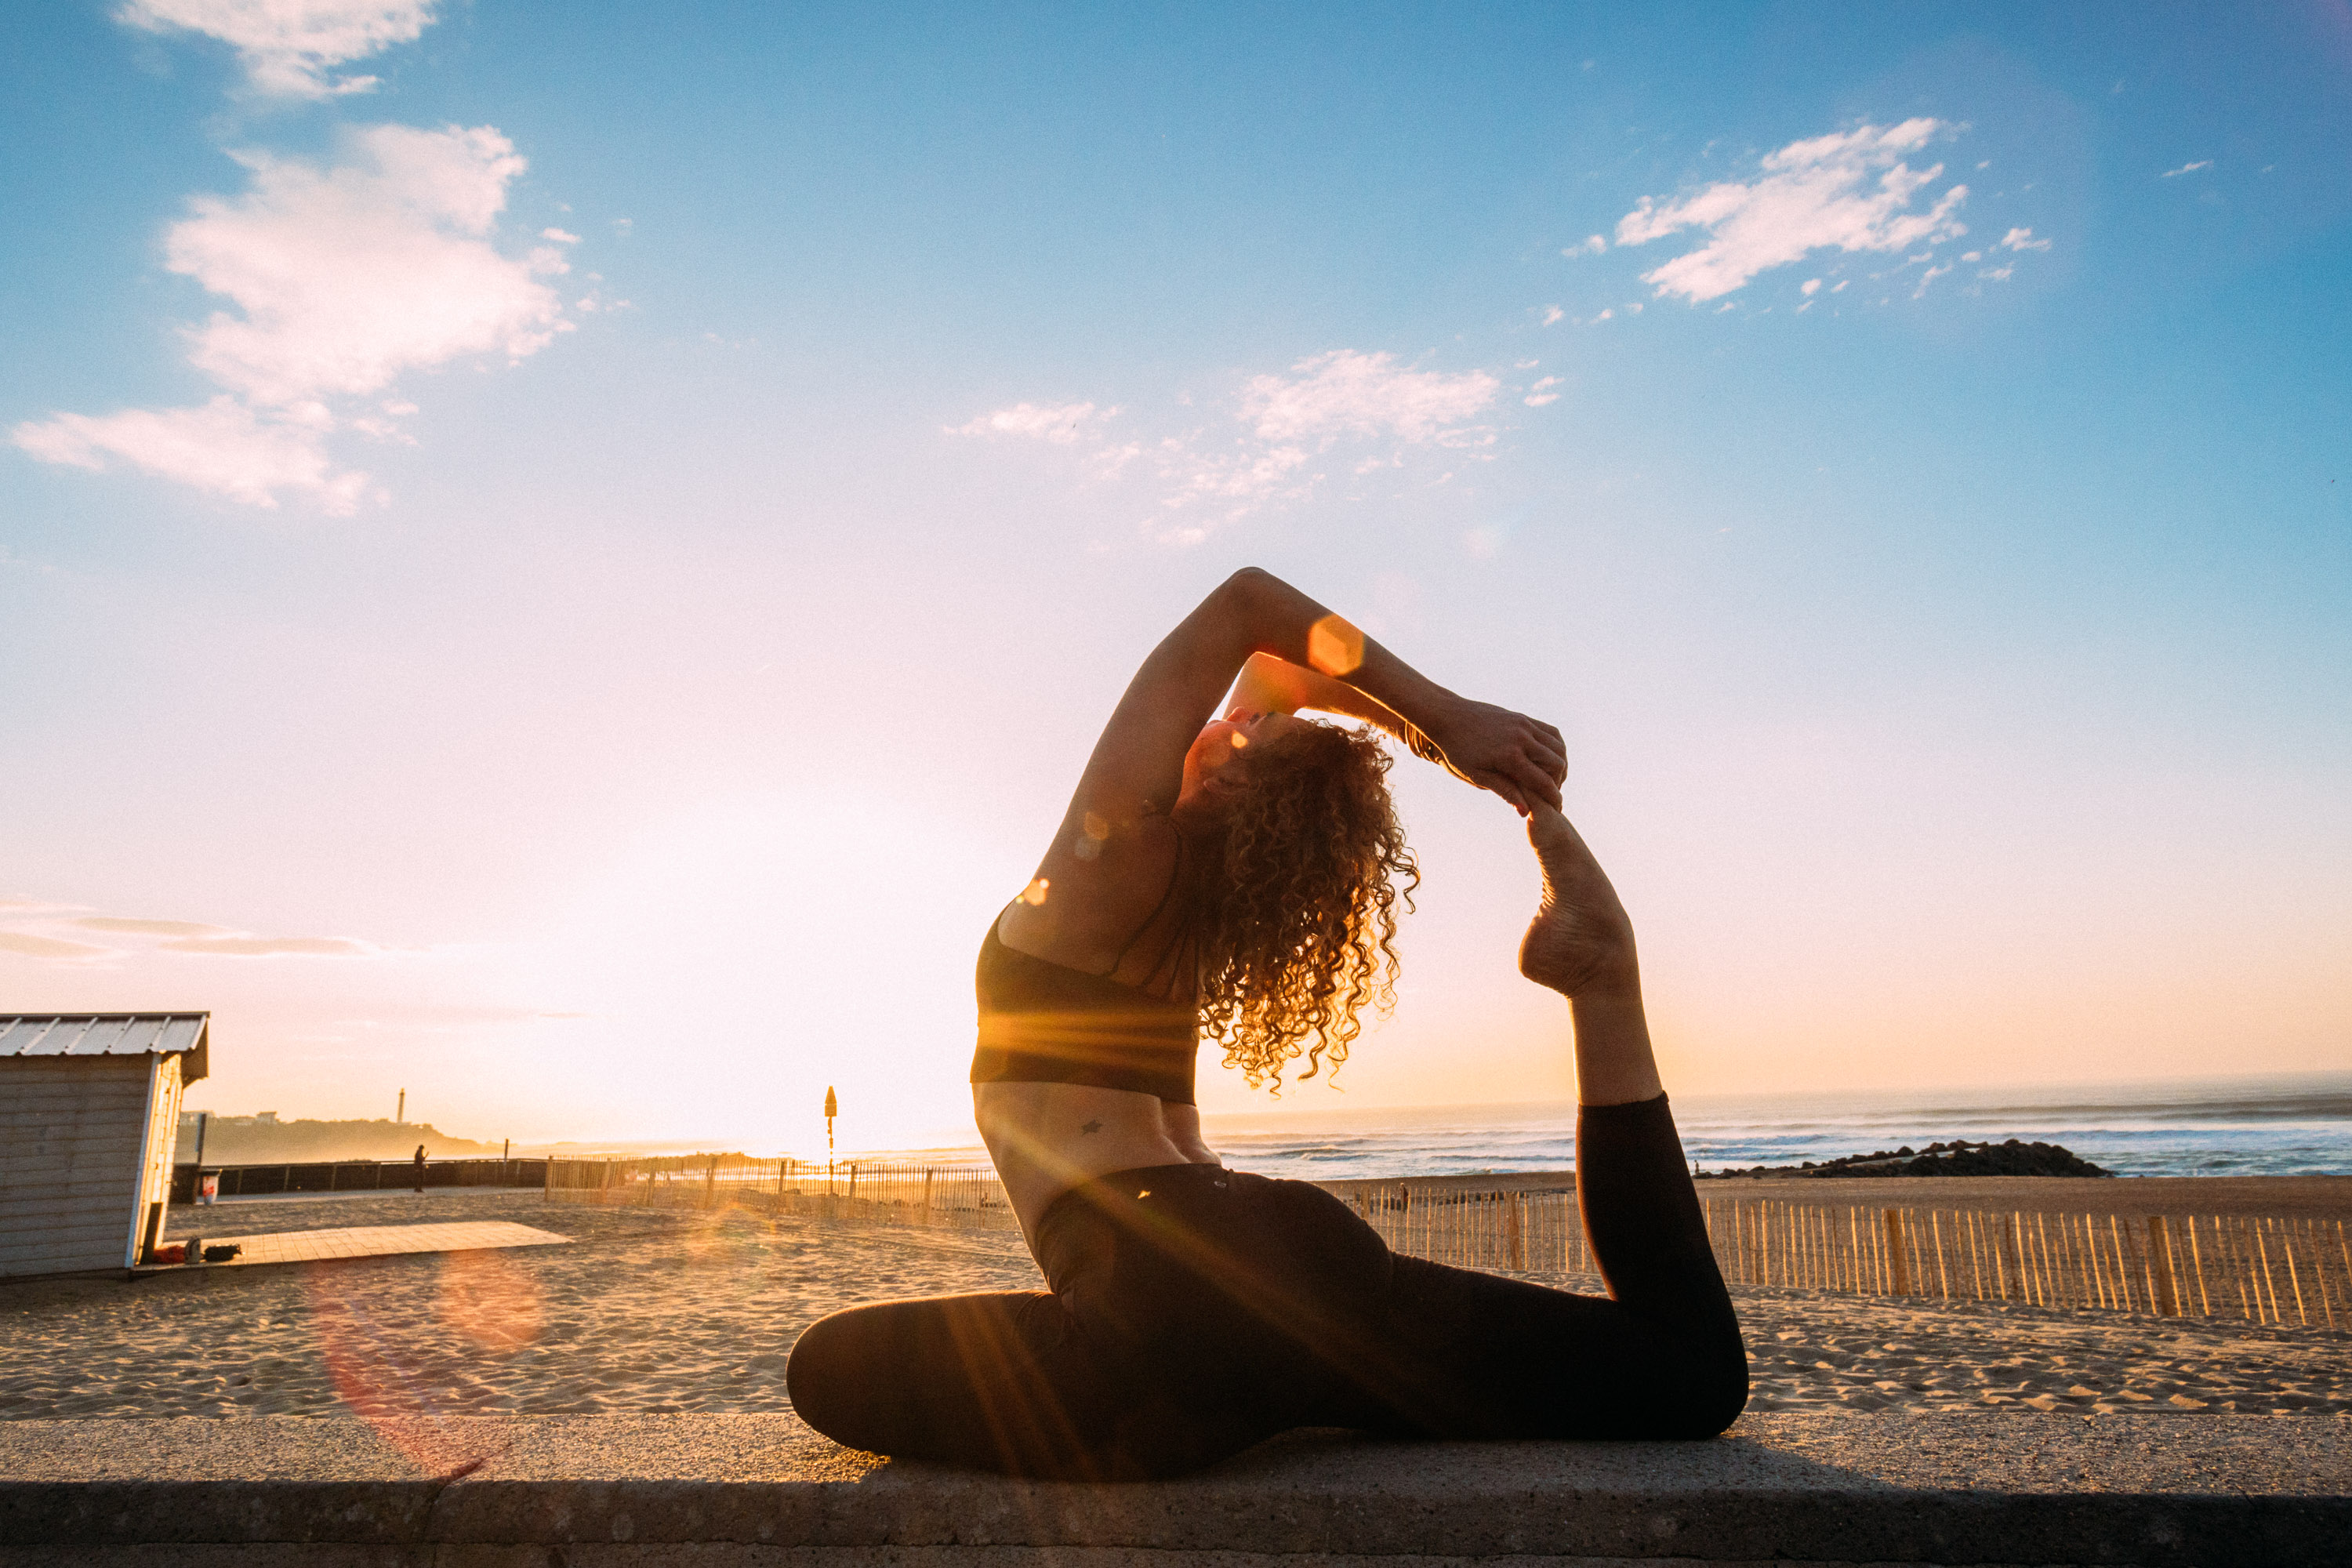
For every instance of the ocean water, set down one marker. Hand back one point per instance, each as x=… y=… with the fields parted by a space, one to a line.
x=2274 y=1125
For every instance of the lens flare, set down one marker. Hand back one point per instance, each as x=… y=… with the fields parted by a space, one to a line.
x=1034 y=893
x=390 y=1352
x=490 y=1300
x=1334 y=647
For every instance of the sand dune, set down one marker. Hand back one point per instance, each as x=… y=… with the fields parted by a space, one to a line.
x=649 y=1311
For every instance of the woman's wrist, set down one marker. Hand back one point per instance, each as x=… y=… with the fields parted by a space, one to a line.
x=1426 y=728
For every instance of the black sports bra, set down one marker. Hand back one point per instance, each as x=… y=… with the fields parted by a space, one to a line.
x=1042 y=1022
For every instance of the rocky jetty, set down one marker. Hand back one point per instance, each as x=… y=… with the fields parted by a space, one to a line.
x=1958 y=1158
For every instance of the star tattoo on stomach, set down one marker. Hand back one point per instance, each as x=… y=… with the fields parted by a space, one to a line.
x=1091 y=1127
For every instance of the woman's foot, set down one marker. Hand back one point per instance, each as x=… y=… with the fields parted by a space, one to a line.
x=1581 y=942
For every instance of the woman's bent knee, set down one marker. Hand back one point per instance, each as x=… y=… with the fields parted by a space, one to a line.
x=1713 y=1395
x=826 y=1372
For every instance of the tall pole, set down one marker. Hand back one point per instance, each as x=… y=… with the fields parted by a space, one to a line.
x=832 y=1109
x=204 y=1124
x=400 y=1117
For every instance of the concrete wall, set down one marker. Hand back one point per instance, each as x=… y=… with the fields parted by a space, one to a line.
x=72 y=1187
x=763 y=1491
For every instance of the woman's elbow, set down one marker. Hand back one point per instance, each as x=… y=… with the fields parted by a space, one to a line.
x=1250 y=598
x=1248 y=583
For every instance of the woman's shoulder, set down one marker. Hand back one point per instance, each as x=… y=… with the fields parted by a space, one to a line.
x=1096 y=887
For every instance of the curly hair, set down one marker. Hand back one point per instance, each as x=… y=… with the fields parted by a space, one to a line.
x=1298 y=931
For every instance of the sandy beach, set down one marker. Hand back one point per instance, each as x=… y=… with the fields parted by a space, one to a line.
x=651 y=1310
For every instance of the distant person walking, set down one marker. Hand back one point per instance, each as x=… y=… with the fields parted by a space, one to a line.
x=420 y=1167
x=1240 y=880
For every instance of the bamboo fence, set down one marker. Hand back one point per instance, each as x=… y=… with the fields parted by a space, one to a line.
x=2253 y=1269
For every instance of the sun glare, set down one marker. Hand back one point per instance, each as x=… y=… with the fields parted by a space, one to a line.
x=733 y=962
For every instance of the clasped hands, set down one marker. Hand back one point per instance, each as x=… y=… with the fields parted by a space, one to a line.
x=1523 y=759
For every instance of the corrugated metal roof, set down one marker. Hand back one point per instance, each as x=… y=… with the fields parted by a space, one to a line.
x=109 y=1035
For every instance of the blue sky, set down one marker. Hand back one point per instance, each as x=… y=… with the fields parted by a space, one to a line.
x=572 y=576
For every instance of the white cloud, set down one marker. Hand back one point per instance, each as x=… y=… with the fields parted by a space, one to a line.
x=1540 y=393
x=288 y=46
x=27 y=946
x=2186 y=169
x=272 y=947
x=220 y=447
x=1592 y=245
x=1281 y=430
x=33 y=936
x=124 y=926
x=351 y=275
x=2022 y=239
x=1061 y=423
x=558 y=235
x=1812 y=286
x=1848 y=191
x=346 y=278
x=1348 y=393
x=1553 y=315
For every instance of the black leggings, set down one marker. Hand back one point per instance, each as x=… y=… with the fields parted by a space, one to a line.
x=1196 y=1310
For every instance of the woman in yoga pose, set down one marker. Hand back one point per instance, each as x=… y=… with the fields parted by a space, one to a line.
x=1242 y=877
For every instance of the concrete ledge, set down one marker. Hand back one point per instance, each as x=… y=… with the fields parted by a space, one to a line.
x=700 y=1490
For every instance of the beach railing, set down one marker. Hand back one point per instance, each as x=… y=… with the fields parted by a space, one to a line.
x=868 y=1191
x=2258 y=1268
x=1526 y=1232
x=285 y=1178
x=2261 y=1269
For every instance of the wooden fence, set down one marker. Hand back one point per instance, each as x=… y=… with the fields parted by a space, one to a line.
x=2258 y=1269
x=2261 y=1269
x=880 y=1192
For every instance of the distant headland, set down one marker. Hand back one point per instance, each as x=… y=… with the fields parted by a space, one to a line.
x=263 y=1138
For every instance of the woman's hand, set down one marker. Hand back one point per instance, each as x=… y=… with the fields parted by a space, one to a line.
x=1521 y=759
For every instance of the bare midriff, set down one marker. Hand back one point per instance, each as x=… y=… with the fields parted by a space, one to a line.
x=1046 y=1138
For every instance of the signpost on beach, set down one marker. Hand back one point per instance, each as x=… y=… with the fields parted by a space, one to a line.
x=832 y=1109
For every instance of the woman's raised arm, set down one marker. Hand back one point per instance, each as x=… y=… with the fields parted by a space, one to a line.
x=1139 y=761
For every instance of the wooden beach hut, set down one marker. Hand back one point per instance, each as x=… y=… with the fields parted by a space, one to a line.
x=89 y=1107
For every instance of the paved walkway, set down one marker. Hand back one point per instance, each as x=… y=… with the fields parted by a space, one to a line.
x=383 y=1241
